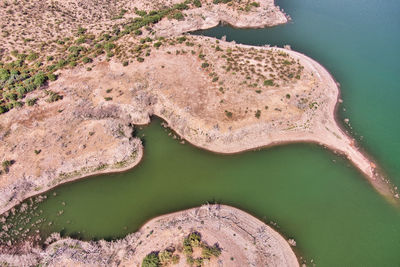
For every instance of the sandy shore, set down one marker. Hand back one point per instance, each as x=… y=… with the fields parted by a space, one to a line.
x=245 y=241
x=82 y=113
x=323 y=130
x=159 y=86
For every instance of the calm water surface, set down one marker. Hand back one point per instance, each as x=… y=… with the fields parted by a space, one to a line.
x=315 y=197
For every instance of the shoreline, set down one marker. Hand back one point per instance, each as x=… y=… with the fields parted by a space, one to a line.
x=373 y=177
x=253 y=19
x=238 y=233
x=110 y=171
x=369 y=169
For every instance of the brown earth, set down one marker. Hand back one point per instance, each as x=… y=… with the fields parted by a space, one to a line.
x=244 y=240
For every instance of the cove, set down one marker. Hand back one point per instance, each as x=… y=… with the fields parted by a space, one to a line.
x=314 y=196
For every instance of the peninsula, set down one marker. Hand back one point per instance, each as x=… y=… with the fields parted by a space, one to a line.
x=74 y=89
x=239 y=239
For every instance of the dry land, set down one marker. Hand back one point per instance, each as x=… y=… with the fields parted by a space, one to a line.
x=77 y=76
x=241 y=239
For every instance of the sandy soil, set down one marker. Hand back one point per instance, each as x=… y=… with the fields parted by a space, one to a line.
x=84 y=134
x=215 y=109
x=245 y=241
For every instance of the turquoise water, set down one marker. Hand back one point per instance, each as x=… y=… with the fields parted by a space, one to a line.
x=315 y=197
x=358 y=42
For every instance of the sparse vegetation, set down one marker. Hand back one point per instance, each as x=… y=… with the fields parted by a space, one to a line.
x=151 y=260
x=6 y=165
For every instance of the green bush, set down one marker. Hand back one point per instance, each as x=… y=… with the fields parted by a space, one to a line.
x=4 y=75
x=165 y=257
x=32 y=101
x=181 y=39
x=39 y=79
x=269 y=82
x=178 y=16
x=205 y=65
x=86 y=60
x=141 y=13
x=3 y=109
x=151 y=260
x=195 y=239
x=187 y=247
x=197 y=3
x=6 y=165
x=228 y=114
x=32 y=56
x=51 y=77
x=53 y=97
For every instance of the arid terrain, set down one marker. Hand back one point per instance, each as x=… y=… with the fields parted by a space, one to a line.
x=77 y=77
x=243 y=241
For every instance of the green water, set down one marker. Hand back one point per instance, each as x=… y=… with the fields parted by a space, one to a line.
x=315 y=197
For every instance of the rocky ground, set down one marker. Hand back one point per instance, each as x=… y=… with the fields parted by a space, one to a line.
x=243 y=239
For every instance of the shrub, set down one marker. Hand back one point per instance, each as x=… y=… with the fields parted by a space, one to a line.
x=165 y=257
x=53 y=97
x=205 y=65
x=4 y=75
x=258 y=114
x=6 y=165
x=61 y=63
x=228 y=114
x=195 y=239
x=151 y=260
x=178 y=16
x=51 y=77
x=81 y=31
x=197 y=3
x=269 y=82
x=32 y=101
x=181 y=6
x=255 y=4
x=141 y=13
x=187 y=247
x=86 y=60
x=158 y=44
x=32 y=56
x=181 y=39
x=175 y=259
x=208 y=252
x=81 y=40
x=3 y=109
x=125 y=63
x=39 y=79
x=109 y=46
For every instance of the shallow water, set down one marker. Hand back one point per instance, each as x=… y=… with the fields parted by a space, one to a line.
x=315 y=197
